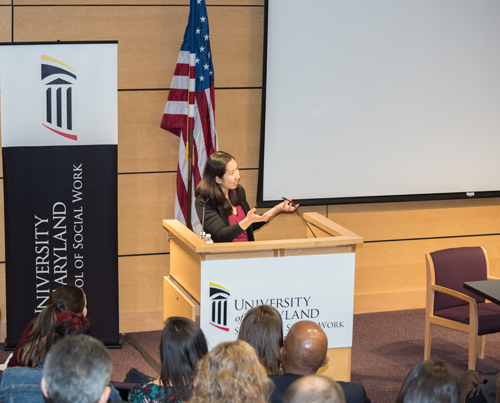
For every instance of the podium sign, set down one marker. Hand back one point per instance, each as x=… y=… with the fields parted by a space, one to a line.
x=59 y=146
x=319 y=288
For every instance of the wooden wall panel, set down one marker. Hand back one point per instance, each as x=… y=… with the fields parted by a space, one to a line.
x=237 y=44
x=387 y=221
x=143 y=202
x=147 y=36
x=144 y=147
x=5 y=21
x=141 y=284
x=136 y=2
x=388 y=269
x=150 y=38
x=141 y=292
x=237 y=116
x=249 y=182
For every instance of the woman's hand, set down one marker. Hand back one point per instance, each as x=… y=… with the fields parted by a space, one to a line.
x=252 y=217
x=286 y=206
x=258 y=218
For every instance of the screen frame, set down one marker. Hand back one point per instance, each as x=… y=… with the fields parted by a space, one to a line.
x=261 y=203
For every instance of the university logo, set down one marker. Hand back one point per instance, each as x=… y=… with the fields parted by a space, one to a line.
x=58 y=78
x=219 y=296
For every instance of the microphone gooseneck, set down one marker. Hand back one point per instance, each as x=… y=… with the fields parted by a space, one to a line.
x=203 y=222
x=300 y=215
x=206 y=237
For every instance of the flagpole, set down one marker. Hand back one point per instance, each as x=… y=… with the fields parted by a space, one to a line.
x=190 y=176
x=195 y=52
x=189 y=159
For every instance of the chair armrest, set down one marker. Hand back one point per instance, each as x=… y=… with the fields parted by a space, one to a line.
x=453 y=293
x=493 y=278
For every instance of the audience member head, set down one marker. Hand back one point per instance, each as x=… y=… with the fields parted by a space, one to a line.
x=68 y=323
x=262 y=328
x=66 y=298
x=231 y=373
x=182 y=345
x=314 y=389
x=77 y=369
x=429 y=381
x=305 y=348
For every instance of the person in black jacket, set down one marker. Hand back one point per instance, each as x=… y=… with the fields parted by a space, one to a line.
x=221 y=202
x=303 y=354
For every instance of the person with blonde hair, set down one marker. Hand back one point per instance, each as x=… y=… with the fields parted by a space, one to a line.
x=231 y=373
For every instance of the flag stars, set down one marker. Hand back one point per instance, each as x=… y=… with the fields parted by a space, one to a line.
x=199 y=1
x=202 y=19
x=202 y=49
x=198 y=30
x=211 y=73
x=197 y=60
x=202 y=78
x=206 y=37
x=206 y=66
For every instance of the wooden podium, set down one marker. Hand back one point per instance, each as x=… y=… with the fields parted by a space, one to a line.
x=182 y=293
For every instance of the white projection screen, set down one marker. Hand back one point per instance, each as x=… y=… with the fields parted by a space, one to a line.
x=380 y=100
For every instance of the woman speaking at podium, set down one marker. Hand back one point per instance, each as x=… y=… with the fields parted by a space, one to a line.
x=221 y=202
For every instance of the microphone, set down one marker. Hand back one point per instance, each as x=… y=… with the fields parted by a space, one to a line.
x=300 y=214
x=206 y=237
x=203 y=222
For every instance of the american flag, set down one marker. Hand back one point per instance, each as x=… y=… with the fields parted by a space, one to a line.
x=194 y=69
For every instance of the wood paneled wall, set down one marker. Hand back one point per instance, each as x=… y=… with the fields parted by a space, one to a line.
x=390 y=265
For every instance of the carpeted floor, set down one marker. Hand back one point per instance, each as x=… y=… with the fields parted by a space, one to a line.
x=385 y=347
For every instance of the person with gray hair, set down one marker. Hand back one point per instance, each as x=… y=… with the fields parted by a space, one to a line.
x=314 y=389
x=77 y=369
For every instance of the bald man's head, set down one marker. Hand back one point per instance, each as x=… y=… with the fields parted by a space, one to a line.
x=305 y=348
x=314 y=389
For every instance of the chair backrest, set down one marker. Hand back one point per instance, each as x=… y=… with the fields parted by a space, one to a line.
x=452 y=267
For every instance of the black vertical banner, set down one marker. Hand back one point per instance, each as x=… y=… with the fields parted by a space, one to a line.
x=60 y=182
x=61 y=228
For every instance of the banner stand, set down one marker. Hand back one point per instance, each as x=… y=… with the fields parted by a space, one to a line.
x=59 y=144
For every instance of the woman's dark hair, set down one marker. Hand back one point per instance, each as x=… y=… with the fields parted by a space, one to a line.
x=429 y=381
x=262 y=328
x=69 y=324
x=182 y=345
x=66 y=298
x=208 y=188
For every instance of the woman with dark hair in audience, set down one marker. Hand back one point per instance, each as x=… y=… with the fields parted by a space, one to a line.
x=182 y=345
x=32 y=347
x=231 y=373
x=22 y=384
x=262 y=328
x=429 y=381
